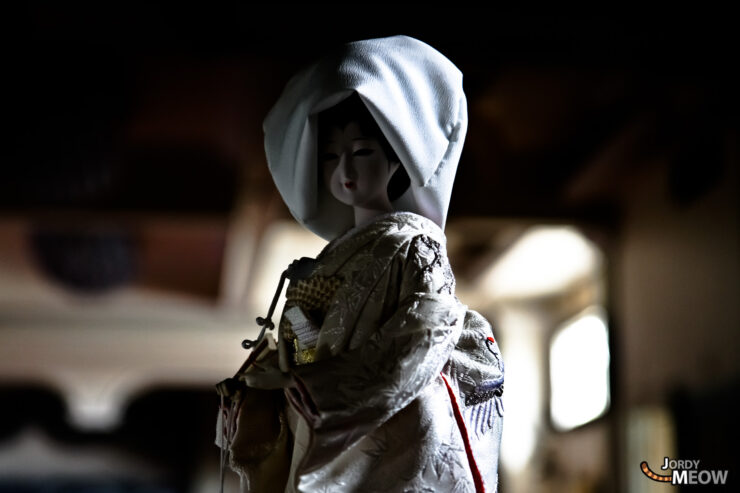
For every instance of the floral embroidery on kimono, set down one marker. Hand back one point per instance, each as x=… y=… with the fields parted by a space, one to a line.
x=372 y=412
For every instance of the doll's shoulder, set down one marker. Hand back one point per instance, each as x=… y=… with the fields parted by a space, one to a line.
x=426 y=264
x=413 y=238
x=424 y=239
x=421 y=255
x=400 y=238
x=412 y=231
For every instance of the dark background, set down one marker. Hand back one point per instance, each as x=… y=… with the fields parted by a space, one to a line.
x=77 y=78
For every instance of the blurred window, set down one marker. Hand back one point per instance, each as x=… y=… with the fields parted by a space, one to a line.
x=579 y=370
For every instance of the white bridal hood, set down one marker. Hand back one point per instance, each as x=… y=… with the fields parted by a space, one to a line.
x=415 y=95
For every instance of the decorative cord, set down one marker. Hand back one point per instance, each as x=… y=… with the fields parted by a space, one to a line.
x=298 y=269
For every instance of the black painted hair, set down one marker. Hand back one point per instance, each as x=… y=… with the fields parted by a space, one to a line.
x=353 y=109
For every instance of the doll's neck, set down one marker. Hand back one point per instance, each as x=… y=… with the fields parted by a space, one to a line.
x=365 y=215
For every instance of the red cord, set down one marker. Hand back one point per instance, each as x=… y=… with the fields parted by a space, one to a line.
x=477 y=479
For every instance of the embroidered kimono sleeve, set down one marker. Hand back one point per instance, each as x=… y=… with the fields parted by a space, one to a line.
x=348 y=395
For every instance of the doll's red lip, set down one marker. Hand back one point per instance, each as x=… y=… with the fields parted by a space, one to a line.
x=349 y=184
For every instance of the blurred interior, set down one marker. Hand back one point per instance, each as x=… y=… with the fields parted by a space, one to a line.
x=594 y=221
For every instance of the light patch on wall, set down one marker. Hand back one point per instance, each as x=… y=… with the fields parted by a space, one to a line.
x=545 y=260
x=579 y=370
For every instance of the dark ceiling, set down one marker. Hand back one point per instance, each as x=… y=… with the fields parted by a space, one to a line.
x=153 y=107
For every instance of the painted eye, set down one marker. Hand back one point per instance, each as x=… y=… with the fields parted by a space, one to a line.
x=363 y=152
x=328 y=156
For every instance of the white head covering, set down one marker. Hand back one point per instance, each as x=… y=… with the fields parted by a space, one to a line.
x=414 y=94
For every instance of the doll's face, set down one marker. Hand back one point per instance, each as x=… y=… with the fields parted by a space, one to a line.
x=355 y=168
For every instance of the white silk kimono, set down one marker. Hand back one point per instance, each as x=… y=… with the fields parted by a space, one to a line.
x=386 y=382
x=403 y=391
